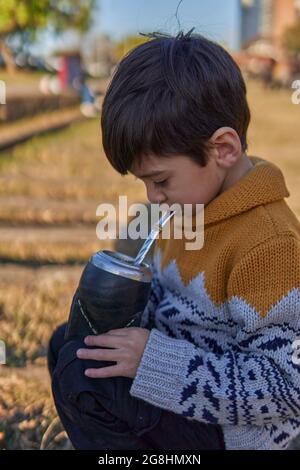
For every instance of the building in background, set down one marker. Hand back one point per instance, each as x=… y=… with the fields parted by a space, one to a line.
x=250 y=20
x=285 y=13
x=267 y=19
x=262 y=27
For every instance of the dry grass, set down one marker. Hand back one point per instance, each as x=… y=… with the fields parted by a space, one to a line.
x=38 y=246
x=27 y=416
x=67 y=165
x=32 y=303
x=274 y=134
x=21 y=78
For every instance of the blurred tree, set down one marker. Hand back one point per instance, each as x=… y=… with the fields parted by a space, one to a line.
x=30 y=16
x=128 y=43
x=291 y=40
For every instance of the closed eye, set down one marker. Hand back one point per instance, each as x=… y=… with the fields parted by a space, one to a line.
x=161 y=183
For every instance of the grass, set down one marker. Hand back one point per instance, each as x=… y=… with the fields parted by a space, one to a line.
x=27 y=416
x=32 y=303
x=21 y=77
x=67 y=165
x=49 y=250
x=274 y=134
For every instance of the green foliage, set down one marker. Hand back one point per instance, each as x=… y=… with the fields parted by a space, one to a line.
x=128 y=43
x=31 y=15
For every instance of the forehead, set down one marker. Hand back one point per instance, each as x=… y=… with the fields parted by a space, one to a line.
x=161 y=163
x=150 y=164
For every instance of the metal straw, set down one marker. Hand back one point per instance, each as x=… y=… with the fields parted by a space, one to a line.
x=157 y=227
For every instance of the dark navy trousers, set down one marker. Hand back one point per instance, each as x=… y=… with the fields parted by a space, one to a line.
x=100 y=414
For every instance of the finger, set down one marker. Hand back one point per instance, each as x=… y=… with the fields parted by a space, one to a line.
x=111 y=341
x=104 y=372
x=119 y=331
x=98 y=354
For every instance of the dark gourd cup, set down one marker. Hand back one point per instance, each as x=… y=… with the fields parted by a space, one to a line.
x=112 y=293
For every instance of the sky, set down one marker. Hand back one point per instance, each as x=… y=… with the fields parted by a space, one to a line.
x=217 y=19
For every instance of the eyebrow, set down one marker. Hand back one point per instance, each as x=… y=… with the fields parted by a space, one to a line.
x=153 y=173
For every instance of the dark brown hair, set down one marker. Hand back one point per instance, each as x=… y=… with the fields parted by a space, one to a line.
x=168 y=96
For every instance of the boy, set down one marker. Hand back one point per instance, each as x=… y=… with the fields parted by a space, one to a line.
x=211 y=365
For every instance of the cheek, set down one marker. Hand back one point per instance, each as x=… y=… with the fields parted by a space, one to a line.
x=199 y=190
x=198 y=194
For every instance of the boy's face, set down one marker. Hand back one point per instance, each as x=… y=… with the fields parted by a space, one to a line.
x=178 y=179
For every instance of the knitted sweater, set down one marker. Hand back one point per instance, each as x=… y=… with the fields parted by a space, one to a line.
x=223 y=318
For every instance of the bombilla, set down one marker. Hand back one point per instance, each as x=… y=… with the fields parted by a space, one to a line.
x=157 y=227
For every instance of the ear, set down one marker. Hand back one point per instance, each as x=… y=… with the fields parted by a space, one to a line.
x=227 y=147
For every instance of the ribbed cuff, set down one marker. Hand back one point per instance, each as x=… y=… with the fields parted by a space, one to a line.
x=161 y=372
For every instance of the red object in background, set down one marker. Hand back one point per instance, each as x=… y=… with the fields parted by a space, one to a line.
x=70 y=70
x=63 y=72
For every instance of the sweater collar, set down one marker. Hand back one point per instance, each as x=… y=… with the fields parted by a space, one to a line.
x=263 y=184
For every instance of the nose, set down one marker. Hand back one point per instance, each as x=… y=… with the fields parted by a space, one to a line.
x=155 y=196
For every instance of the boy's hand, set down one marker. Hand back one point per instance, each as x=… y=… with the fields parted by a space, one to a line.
x=128 y=346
